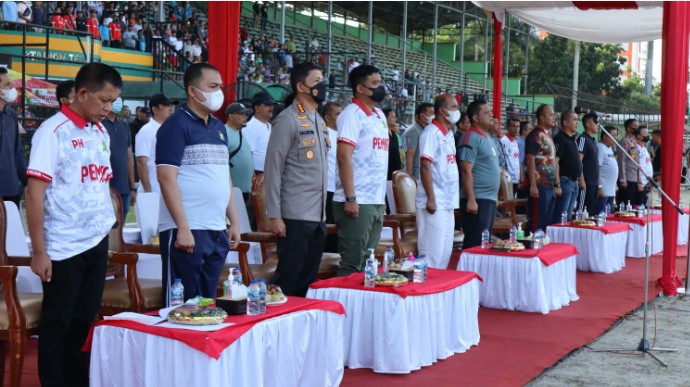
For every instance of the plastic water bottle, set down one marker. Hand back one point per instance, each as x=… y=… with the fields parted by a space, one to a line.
x=641 y=211
x=425 y=269
x=486 y=238
x=564 y=218
x=608 y=210
x=539 y=239
x=602 y=219
x=578 y=215
x=628 y=207
x=418 y=273
x=621 y=207
x=513 y=234
x=370 y=273
x=177 y=293
x=388 y=257
x=237 y=276
x=520 y=232
x=227 y=284
x=585 y=214
x=262 y=295
x=253 y=298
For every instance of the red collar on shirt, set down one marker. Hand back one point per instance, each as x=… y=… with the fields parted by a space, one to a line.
x=440 y=127
x=511 y=138
x=640 y=143
x=362 y=106
x=78 y=120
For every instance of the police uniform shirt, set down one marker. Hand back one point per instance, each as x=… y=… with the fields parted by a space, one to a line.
x=296 y=168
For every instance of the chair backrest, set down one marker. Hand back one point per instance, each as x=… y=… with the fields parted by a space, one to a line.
x=3 y=234
x=404 y=193
x=115 y=242
x=241 y=208
x=147 y=209
x=391 y=198
x=505 y=186
x=15 y=239
x=259 y=197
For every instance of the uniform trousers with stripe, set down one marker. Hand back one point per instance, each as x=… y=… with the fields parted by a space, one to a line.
x=299 y=256
x=540 y=210
x=199 y=270
x=589 y=198
x=435 y=236
x=70 y=303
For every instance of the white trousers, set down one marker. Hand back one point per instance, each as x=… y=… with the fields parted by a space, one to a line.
x=435 y=236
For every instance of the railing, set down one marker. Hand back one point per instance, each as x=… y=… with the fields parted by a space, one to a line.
x=168 y=60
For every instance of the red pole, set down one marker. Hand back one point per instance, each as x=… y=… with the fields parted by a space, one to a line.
x=674 y=78
x=498 y=68
x=223 y=43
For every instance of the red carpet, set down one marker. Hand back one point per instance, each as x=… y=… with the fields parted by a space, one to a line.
x=515 y=347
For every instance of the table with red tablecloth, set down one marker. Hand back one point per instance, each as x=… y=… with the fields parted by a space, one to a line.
x=683 y=224
x=635 y=247
x=602 y=248
x=297 y=343
x=531 y=280
x=399 y=330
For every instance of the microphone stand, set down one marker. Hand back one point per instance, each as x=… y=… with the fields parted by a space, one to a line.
x=643 y=347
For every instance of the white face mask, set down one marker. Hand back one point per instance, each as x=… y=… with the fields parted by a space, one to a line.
x=429 y=119
x=9 y=95
x=214 y=99
x=454 y=116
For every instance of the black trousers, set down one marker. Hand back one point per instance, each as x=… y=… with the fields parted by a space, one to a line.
x=630 y=193
x=14 y=199
x=589 y=198
x=70 y=303
x=331 y=239
x=299 y=256
x=474 y=224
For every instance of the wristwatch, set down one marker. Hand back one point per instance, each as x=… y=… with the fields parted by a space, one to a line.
x=352 y=198
x=557 y=185
x=133 y=189
x=601 y=186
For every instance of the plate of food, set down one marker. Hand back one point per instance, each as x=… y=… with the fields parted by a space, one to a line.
x=390 y=280
x=625 y=214
x=189 y=314
x=500 y=245
x=275 y=295
x=584 y=223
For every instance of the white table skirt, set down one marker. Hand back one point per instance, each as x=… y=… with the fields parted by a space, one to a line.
x=390 y=334
x=599 y=252
x=298 y=349
x=682 y=226
x=638 y=236
x=523 y=284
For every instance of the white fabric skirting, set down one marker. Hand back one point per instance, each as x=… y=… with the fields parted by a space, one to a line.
x=638 y=237
x=523 y=284
x=682 y=226
x=599 y=252
x=298 y=349
x=390 y=334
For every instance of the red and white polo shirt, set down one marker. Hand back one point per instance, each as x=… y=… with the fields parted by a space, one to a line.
x=437 y=145
x=367 y=131
x=73 y=155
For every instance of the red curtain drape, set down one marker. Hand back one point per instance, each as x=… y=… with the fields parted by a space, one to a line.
x=223 y=43
x=674 y=78
x=498 y=68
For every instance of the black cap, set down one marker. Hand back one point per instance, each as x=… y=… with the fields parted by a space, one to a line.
x=237 y=108
x=262 y=98
x=146 y=110
x=160 y=99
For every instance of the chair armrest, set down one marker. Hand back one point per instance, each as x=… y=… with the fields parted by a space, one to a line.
x=331 y=229
x=242 y=249
x=402 y=218
x=395 y=225
x=19 y=261
x=136 y=297
x=506 y=205
x=259 y=237
x=143 y=249
x=15 y=314
x=516 y=202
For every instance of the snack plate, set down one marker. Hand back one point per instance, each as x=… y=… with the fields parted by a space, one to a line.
x=400 y=280
x=206 y=322
x=277 y=303
x=392 y=284
x=584 y=225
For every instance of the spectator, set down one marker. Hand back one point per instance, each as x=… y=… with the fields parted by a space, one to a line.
x=479 y=166
x=264 y=15
x=148 y=36
x=241 y=161
x=291 y=45
x=130 y=38
x=256 y=10
x=362 y=165
x=196 y=48
x=105 y=34
x=541 y=173
x=115 y=34
x=56 y=20
x=12 y=160
x=243 y=33
x=80 y=22
x=258 y=129
x=92 y=24
x=121 y=159
x=423 y=116
x=509 y=143
x=68 y=16
x=192 y=167
x=9 y=12
x=628 y=174
x=395 y=76
x=126 y=114
x=587 y=146
x=608 y=171
x=64 y=92
x=69 y=221
x=569 y=168
x=24 y=15
x=438 y=196
x=395 y=160
x=37 y=12
x=145 y=151
x=141 y=41
x=332 y=79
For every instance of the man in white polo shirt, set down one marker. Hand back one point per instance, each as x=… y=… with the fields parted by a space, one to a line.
x=145 y=143
x=69 y=213
x=362 y=155
x=511 y=150
x=258 y=129
x=439 y=193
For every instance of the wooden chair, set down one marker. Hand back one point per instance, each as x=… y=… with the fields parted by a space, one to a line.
x=405 y=194
x=506 y=207
x=19 y=313
x=127 y=292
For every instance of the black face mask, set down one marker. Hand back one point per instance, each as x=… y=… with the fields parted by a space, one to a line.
x=646 y=139
x=318 y=92
x=379 y=93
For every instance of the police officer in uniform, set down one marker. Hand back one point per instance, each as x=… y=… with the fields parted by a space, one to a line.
x=296 y=176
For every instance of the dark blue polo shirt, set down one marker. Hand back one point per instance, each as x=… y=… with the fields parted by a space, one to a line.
x=120 y=142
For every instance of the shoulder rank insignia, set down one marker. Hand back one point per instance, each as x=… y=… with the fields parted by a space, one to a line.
x=301 y=118
x=305 y=125
x=300 y=108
